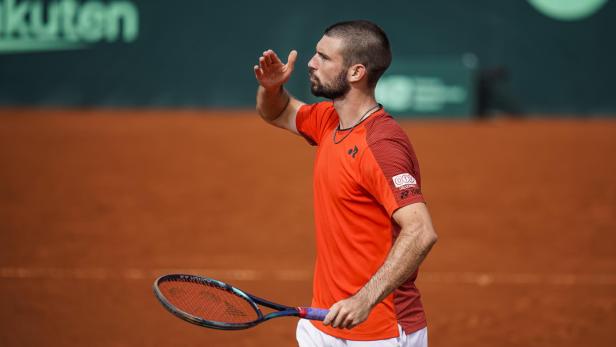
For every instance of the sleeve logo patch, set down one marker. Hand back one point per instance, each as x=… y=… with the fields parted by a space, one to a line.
x=404 y=180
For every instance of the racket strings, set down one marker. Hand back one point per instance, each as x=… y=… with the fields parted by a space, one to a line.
x=208 y=301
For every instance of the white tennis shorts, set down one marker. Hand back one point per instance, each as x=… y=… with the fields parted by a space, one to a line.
x=309 y=336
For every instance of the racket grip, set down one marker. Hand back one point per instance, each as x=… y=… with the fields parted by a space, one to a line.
x=312 y=313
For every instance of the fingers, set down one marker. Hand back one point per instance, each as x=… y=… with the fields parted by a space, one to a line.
x=263 y=64
x=292 y=59
x=347 y=313
x=339 y=317
x=341 y=321
x=271 y=71
x=333 y=312
x=274 y=56
x=267 y=61
x=268 y=55
x=270 y=58
x=258 y=72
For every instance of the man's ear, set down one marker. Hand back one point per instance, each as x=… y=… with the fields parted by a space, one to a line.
x=356 y=73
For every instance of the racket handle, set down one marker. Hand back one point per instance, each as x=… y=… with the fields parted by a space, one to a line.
x=312 y=313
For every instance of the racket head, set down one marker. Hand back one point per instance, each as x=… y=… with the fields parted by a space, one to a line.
x=206 y=302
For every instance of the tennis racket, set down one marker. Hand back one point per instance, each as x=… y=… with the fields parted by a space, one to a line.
x=215 y=304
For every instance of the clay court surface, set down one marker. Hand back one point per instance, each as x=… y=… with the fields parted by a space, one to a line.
x=95 y=205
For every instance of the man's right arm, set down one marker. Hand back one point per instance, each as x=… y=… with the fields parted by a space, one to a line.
x=275 y=105
x=278 y=108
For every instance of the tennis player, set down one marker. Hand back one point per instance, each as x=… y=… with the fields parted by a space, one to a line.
x=372 y=225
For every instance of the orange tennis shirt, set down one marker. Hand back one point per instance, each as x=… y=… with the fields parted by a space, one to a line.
x=359 y=182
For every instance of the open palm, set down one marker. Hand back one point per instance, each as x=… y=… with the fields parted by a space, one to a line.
x=271 y=72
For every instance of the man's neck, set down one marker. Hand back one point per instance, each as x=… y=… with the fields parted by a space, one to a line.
x=353 y=106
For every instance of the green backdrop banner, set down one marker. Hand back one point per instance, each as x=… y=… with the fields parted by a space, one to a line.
x=450 y=57
x=430 y=86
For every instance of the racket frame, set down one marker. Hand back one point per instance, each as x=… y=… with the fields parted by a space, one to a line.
x=281 y=310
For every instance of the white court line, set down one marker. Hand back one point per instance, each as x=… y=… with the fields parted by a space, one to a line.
x=485 y=279
x=473 y=278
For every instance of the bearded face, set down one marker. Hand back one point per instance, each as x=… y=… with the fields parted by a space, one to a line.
x=336 y=88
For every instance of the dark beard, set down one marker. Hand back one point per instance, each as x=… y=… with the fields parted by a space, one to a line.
x=340 y=86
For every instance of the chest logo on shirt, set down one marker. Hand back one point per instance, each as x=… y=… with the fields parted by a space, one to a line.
x=403 y=181
x=353 y=151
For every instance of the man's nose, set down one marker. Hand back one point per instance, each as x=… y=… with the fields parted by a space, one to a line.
x=312 y=63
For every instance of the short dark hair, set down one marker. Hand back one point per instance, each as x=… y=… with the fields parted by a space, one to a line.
x=364 y=43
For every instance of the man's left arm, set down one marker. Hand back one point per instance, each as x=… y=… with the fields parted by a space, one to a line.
x=416 y=238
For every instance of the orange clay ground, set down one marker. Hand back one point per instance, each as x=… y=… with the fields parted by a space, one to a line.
x=95 y=204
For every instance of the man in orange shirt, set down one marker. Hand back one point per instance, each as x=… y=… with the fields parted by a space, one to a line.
x=372 y=225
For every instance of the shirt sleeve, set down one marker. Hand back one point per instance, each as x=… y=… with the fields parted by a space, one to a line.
x=311 y=121
x=390 y=173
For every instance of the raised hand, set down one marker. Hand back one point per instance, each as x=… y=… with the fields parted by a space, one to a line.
x=271 y=72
